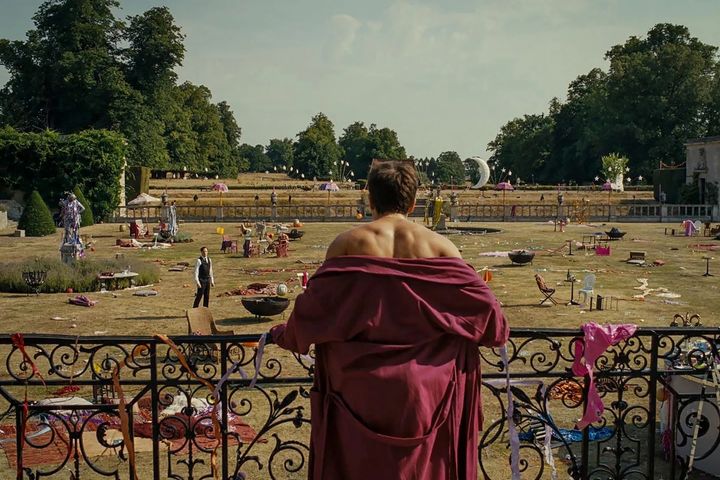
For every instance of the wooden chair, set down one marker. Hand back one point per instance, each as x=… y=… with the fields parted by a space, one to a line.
x=545 y=290
x=200 y=322
x=228 y=245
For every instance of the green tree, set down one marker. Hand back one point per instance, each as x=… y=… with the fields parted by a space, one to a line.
x=579 y=137
x=36 y=219
x=280 y=153
x=155 y=49
x=230 y=127
x=384 y=144
x=658 y=88
x=316 y=151
x=523 y=144
x=255 y=157
x=355 y=143
x=67 y=73
x=86 y=218
x=361 y=145
x=450 y=168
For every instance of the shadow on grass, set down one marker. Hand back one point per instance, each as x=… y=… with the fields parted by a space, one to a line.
x=518 y=305
x=249 y=320
x=157 y=317
x=512 y=265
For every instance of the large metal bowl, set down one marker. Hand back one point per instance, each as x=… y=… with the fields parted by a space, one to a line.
x=521 y=257
x=615 y=234
x=265 y=306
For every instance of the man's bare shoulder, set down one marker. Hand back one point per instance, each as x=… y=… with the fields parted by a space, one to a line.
x=440 y=244
x=347 y=242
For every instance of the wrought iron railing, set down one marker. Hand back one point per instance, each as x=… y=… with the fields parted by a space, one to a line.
x=59 y=413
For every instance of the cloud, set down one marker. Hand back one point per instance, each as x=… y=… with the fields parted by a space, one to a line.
x=344 y=30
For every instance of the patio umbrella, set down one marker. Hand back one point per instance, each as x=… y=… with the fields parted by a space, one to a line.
x=504 y=186
x=143 y=200
x=220 y=187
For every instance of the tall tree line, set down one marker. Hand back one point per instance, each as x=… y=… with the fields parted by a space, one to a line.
x=83 y=68
x=658 y=92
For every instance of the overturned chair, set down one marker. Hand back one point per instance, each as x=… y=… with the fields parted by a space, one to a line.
x=545 y=290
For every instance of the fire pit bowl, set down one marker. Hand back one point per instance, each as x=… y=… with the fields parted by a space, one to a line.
x=265 y=306
x=521 y=257
x=34 y=280
x=615 y=234
x=296 y=234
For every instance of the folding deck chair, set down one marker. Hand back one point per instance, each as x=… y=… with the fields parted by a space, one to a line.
x=547 y=291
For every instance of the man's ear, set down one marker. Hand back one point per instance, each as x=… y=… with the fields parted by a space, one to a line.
x=412 y=208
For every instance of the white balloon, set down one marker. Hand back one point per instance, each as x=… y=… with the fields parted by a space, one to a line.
x=484 y=171
x=282 y=290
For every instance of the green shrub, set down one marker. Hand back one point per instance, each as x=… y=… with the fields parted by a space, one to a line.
x=81 y=276
x=36 y=219
x=86 y=219
x=53 y=164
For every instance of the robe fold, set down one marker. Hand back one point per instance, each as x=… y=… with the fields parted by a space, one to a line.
x=396 y=393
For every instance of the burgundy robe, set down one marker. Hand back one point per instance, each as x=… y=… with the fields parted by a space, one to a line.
x=397 y=382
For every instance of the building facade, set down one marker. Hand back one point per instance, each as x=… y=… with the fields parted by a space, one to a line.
x=702 y=167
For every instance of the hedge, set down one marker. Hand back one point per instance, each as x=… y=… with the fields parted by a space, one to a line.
x=86 y=218
x=52 y=164
x=36 y=219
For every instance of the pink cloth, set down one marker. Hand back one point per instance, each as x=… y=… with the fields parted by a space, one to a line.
x=596 y=341
x=397 y=379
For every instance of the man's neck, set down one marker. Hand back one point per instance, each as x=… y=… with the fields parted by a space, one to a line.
x=390 y=216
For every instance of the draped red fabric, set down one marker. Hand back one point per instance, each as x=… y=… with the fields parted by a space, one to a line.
x=397 y=380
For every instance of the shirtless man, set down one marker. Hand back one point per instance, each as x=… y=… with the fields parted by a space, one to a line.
x=395 y=314
x=391 y=234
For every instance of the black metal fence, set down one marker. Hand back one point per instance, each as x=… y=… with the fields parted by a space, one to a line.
x=59 y=415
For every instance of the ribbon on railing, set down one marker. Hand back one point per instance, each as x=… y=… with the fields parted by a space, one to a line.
x=237 y=368
x=122 y=405
x=18 y=342
x=547 y=447
x=714 y=375
x=514 y=437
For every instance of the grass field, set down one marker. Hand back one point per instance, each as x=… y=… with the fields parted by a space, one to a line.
x=514 y=286
x=122 y=313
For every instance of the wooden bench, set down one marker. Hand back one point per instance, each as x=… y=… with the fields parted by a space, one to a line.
x=637 y=255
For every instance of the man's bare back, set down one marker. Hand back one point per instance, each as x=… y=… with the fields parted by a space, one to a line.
x=392 y=236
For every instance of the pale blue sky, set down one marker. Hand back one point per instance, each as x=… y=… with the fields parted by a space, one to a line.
x=444 y=74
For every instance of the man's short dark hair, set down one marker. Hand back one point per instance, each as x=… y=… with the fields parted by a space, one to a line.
x=202 y=248
x=392 y=185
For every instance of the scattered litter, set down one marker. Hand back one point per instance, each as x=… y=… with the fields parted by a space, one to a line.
x=100 y=332
x=659 y=263
x=146 y=293
x=73 y=325
x=58 y=318
x=252 y=289
x=82 y=301
x=177 y=268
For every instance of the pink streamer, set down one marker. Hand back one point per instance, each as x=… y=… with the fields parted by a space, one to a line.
x=596 y=341
x=514 y=438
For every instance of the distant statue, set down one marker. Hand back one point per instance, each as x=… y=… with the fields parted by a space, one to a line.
x=70 y=213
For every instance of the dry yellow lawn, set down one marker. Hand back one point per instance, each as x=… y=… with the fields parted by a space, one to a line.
x=124 y=314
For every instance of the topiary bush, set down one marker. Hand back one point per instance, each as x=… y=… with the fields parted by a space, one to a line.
x=36 y=219
x=81 y=276
x=86 y=219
